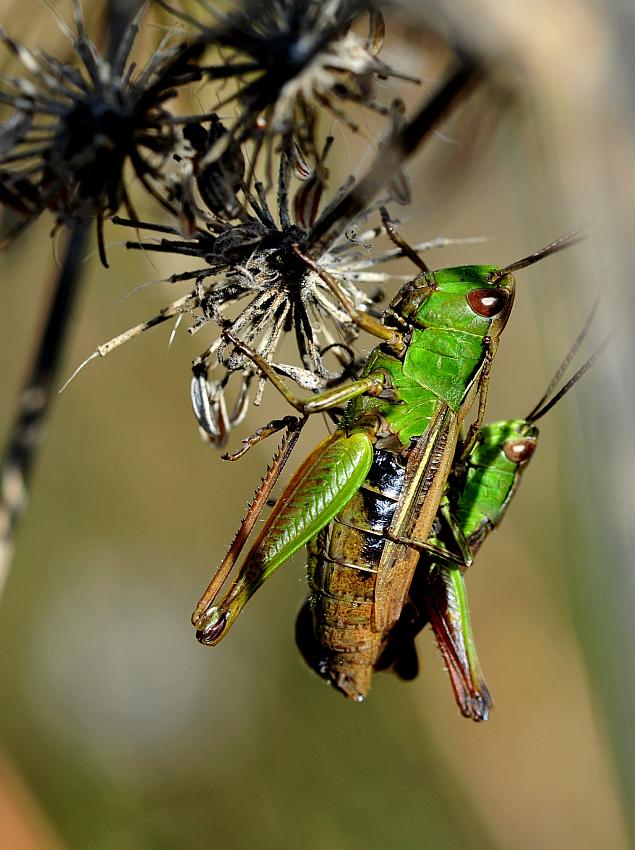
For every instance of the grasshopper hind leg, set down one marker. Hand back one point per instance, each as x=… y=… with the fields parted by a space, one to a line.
x=448 y=613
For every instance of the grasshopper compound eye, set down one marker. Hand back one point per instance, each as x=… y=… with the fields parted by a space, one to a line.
x=519 y=451
x=488 y=302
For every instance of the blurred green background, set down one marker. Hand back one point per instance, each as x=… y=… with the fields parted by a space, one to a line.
x=120 y=732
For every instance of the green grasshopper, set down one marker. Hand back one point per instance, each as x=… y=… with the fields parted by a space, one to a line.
x=477 y=496
x=439 y=337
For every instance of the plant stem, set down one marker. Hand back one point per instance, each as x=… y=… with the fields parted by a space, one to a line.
x=27 y=432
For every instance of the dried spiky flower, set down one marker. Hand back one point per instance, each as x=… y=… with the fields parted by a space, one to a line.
x=74 y=128
x=289 y=60
x=255 y=285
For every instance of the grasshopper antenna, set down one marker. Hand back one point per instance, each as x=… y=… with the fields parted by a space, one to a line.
x=568 y=358
x=537 y=413
x=572 y=238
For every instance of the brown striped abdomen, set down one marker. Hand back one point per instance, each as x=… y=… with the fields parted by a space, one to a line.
x=334 y=630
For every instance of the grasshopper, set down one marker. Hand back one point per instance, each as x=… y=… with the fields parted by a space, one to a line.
x=438 y=340
x=477 y=496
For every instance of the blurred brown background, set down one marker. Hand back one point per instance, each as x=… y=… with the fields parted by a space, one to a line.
x=119 y=731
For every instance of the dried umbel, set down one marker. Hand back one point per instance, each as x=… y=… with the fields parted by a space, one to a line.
x=288 y=60
x=256 y=286
x=74 y=128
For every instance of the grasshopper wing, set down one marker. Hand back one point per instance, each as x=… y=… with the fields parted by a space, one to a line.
x=426 y=473
x=323 y=484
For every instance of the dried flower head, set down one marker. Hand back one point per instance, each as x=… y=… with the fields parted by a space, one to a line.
x=290 y=59
x=73 y=129
x=255 y=285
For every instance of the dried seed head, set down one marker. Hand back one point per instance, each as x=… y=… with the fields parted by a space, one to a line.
x=256 y=285
x=74 y=128
x=288 y=60
x=252 y=282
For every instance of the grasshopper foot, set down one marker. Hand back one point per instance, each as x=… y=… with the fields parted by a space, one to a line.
x=477 y=705
x=211 y=626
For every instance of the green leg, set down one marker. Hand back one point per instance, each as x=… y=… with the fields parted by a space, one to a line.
x=462 y=557
x=445 y=598
x=376 y=384
x=456 y=533
x=450 y=618
x=428 y=549
x=260 y=434
x=472 y=434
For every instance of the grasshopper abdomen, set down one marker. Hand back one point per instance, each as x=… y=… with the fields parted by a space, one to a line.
x=335 y=630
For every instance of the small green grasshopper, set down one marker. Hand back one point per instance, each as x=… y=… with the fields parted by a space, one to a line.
x=439 y=337
x=477 y=496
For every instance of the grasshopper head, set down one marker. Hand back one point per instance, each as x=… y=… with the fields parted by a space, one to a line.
x=474 y=299
x=511 y=441
x=494 y=467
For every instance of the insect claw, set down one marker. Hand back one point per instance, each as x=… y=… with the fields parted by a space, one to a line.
x=477 y=705
x=390 y=394
x=210 y=626
x=385 y=390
